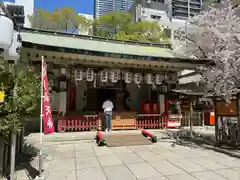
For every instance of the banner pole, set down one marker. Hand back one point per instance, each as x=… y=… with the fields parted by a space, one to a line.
x=41 y=176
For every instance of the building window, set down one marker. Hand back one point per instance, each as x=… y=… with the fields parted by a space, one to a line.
x=155 y=17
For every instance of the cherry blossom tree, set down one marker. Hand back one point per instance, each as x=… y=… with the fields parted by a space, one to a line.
x=218 y=39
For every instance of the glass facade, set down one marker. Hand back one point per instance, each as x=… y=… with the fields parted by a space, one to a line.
x=102 y=7
x=182 y=9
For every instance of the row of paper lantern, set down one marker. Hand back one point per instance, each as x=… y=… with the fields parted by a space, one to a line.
x=114 y=76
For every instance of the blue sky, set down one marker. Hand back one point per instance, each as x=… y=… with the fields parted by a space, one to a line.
x=80 y=6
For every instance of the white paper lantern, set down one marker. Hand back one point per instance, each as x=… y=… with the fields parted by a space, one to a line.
x=158 y=79
x=89 y=75
x=104 y=76
x=149 y=79
x=114 y=76
x=128 y=77
x=63 y=71
x=138 y=78
x=78 y=74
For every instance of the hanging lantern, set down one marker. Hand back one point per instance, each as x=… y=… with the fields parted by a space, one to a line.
x=158 y=79
x=138 y=78
x=63 y=71
x=104 y=76
x=89 y=75
x=114 y=76
x=128 y=77
x=78 y=74
x=149 y=79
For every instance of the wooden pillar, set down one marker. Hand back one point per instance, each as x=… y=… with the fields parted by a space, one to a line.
x=191 y=123
x=216 y=122
x=238 y=117
x=203 y=118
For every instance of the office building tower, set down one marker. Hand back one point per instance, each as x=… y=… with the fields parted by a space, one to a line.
x=102 y=7
x=28 y=8
x=183 y=9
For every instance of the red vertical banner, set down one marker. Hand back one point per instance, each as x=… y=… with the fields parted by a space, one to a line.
x=48 y=123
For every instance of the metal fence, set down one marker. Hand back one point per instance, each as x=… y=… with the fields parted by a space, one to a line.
x=5 y=151
x=196 y=118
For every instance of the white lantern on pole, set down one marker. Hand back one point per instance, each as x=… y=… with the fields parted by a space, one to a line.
x=138 y=78
x=158 y=79
x=78 y=74
x=104 y=76
x=89 y=75
x=114 y=76
x=149 y=78
x=128 y=77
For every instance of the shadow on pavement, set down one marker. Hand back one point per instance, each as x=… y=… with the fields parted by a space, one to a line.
x=207 y=143
x=23 y=162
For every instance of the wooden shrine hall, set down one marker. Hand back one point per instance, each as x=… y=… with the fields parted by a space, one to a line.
x=84 y=71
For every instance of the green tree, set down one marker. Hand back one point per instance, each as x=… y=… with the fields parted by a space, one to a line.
x=21 y=87
x=22 y=93
x=41 y=19
x=62 y=19
x=144 y=31
x=119 y=25
x=110 y=24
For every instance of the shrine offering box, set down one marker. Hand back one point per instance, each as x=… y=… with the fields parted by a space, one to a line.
x=122 y=120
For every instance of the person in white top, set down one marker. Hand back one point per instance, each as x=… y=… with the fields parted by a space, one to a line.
x=107 y=109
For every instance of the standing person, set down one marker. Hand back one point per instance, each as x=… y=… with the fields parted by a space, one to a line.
x=107 y=109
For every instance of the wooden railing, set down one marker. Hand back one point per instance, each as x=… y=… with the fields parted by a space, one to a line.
x=78 y=123
x=150 y=121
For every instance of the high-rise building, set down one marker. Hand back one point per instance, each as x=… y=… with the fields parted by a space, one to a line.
x=182 y=9
x=28 y=8
x=102 y=7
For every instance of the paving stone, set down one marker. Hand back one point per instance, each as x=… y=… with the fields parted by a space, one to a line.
x=85 y=153
x=109 y=160
x=87 y=162
x=143 y=171
x=22 y=175
x=230 y=174
x=208 y=163
x=82 y=147
x=187 y=165
x=103 y=151
x=130 y=158
x=62 y=175
x=187 y=153
x=167 y=168
x=155 y=148
x=228 y=161
x=121 y=150
x=91 y=174
x=137 y=149
x=207 y=175
x=118 y=172
x=181 y=177
x=153 y=157
x=158 y=178
x=59 y=166
x=64 y=152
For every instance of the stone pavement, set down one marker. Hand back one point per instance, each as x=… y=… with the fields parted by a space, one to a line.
x=84 y=160
x=75 y=136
